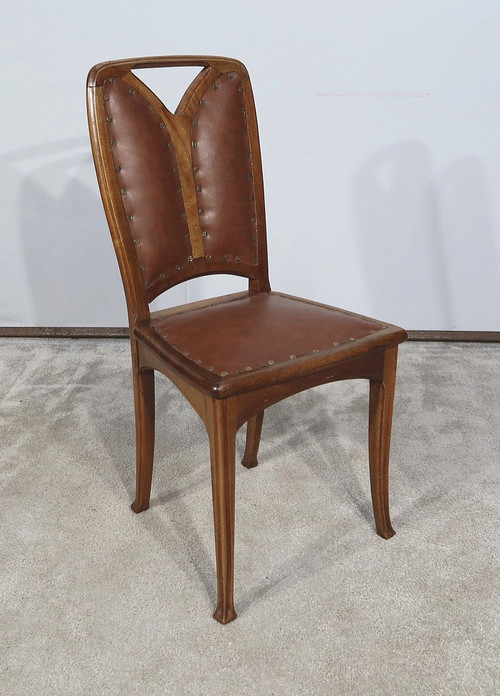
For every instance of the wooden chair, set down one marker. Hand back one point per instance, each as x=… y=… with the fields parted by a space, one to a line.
x=183 y=195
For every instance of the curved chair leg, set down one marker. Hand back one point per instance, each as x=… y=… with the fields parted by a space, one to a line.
x=254 y=430
x=222 y=433
x=381 y=405
x=144 y=399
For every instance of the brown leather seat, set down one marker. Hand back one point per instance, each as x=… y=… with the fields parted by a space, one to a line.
x=183 y=195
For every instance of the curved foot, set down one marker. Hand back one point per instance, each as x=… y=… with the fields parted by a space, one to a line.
x=249 y=463
x=139 y=507
x=386 y=533
x=225 y=616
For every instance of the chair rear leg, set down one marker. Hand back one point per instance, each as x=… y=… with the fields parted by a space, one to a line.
x=380 y=422
x=254 y=430
x=144 y=400
x=222 y=433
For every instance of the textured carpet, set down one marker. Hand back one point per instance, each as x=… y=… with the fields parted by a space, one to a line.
x=98 y=600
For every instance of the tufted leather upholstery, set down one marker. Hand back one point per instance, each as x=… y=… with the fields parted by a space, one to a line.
x=183 y=195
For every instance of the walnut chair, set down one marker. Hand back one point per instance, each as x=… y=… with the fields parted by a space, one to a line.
x=183 y=196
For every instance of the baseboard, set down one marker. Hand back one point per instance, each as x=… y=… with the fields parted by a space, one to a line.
x=123 y=332
x=458 y=336
x=64 y=332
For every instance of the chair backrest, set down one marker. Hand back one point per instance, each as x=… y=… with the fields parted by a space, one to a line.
x=183 y=191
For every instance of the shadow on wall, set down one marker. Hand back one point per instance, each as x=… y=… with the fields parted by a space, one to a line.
x=427 y=240
x=70 y=266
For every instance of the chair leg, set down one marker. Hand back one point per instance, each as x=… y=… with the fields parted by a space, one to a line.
x=254 y=429
x=222 y=434
x=144 y=399
x=380 y=422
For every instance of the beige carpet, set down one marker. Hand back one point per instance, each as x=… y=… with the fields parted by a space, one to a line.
x=98 y=600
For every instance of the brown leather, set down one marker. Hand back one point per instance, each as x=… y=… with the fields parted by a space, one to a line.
x=256 y=332
x=224 y=174
x=185 y=223
x=148 y=180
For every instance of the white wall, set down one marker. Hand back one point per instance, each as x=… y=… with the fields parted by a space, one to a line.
x=380 y=131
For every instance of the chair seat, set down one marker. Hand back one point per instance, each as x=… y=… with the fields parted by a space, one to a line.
x=236 y=335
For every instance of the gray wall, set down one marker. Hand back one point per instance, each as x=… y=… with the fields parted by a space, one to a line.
x=380 y=132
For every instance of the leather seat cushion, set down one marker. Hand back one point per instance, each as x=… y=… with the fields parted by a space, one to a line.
x=258 y=331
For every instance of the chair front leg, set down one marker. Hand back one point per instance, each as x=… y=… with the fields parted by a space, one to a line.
x=144 y=400
x=221 y=426
x=254 y=430
x=380 y=422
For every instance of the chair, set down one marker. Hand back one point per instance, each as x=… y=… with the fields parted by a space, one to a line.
x=183 y=196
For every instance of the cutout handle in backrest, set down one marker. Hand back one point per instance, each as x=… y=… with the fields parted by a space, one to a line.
x=189 y=183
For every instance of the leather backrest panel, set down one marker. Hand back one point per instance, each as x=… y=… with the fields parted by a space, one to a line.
x=224 y=176
x=147 y=176
x=187 y=180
